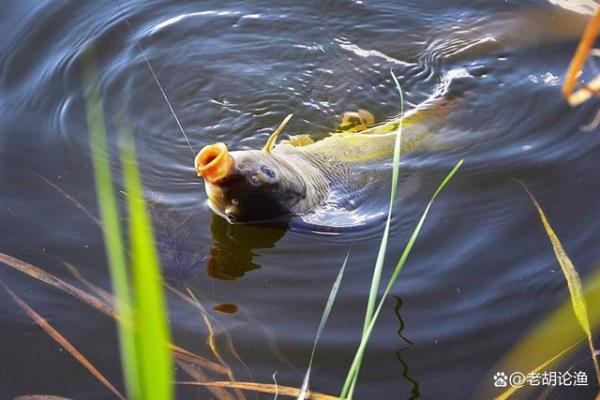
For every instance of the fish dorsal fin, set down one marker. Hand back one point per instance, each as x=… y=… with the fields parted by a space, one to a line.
x=273 y=138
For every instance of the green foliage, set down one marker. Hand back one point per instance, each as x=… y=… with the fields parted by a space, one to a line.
x=372 y=313
x=352 y=377
x=324 y=317
x=142 y=326
x=561 y=331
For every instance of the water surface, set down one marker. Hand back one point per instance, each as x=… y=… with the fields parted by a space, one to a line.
x=481 y=274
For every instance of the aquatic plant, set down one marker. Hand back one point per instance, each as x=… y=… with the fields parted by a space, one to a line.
x=352 y=377
x=573 y=281
x=372 y=313
x=64 y=343
x=558 y=331
x=324 y=317
x=373 y=306
x=143 y=330
x=195 y=365
x=577 y=63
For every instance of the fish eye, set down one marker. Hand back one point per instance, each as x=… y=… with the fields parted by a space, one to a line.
x=268 y=172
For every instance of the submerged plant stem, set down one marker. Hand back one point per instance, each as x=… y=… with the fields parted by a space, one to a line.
x=60 y=339
x=263 y=388
x=577 y=64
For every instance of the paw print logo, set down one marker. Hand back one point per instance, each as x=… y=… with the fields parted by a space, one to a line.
x=500 y=379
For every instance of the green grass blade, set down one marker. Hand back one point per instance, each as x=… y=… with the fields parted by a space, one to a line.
x=562 y=330
x=560 y=333
x=377 y=271
x=109 y=214
x=375 y=281
x=324 y=317
x=573 y=281
x=154 y=360
x=352 y=376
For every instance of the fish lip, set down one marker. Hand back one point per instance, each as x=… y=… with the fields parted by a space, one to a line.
x=214 y=162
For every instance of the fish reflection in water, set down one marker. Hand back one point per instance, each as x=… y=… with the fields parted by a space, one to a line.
x=231 y=254
x=232 y=251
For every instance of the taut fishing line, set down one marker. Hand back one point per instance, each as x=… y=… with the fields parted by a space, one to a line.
x=162 y=90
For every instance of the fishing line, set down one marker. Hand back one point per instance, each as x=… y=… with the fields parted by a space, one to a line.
x=160 y=87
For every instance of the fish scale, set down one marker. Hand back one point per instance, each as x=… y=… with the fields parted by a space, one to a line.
x=351 y=163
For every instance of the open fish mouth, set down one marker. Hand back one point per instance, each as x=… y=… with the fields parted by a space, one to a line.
x=213 y=162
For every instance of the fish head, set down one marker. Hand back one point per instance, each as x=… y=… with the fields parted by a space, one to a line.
x=249 y=185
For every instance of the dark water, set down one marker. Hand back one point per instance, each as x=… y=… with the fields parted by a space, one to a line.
x=481 y=274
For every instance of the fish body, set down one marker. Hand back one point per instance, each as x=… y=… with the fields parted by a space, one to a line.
x=343 y=164
x=297 y=176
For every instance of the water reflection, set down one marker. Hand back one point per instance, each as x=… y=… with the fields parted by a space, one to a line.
x=226 y=308
x=232 y=251
x=414 y=391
